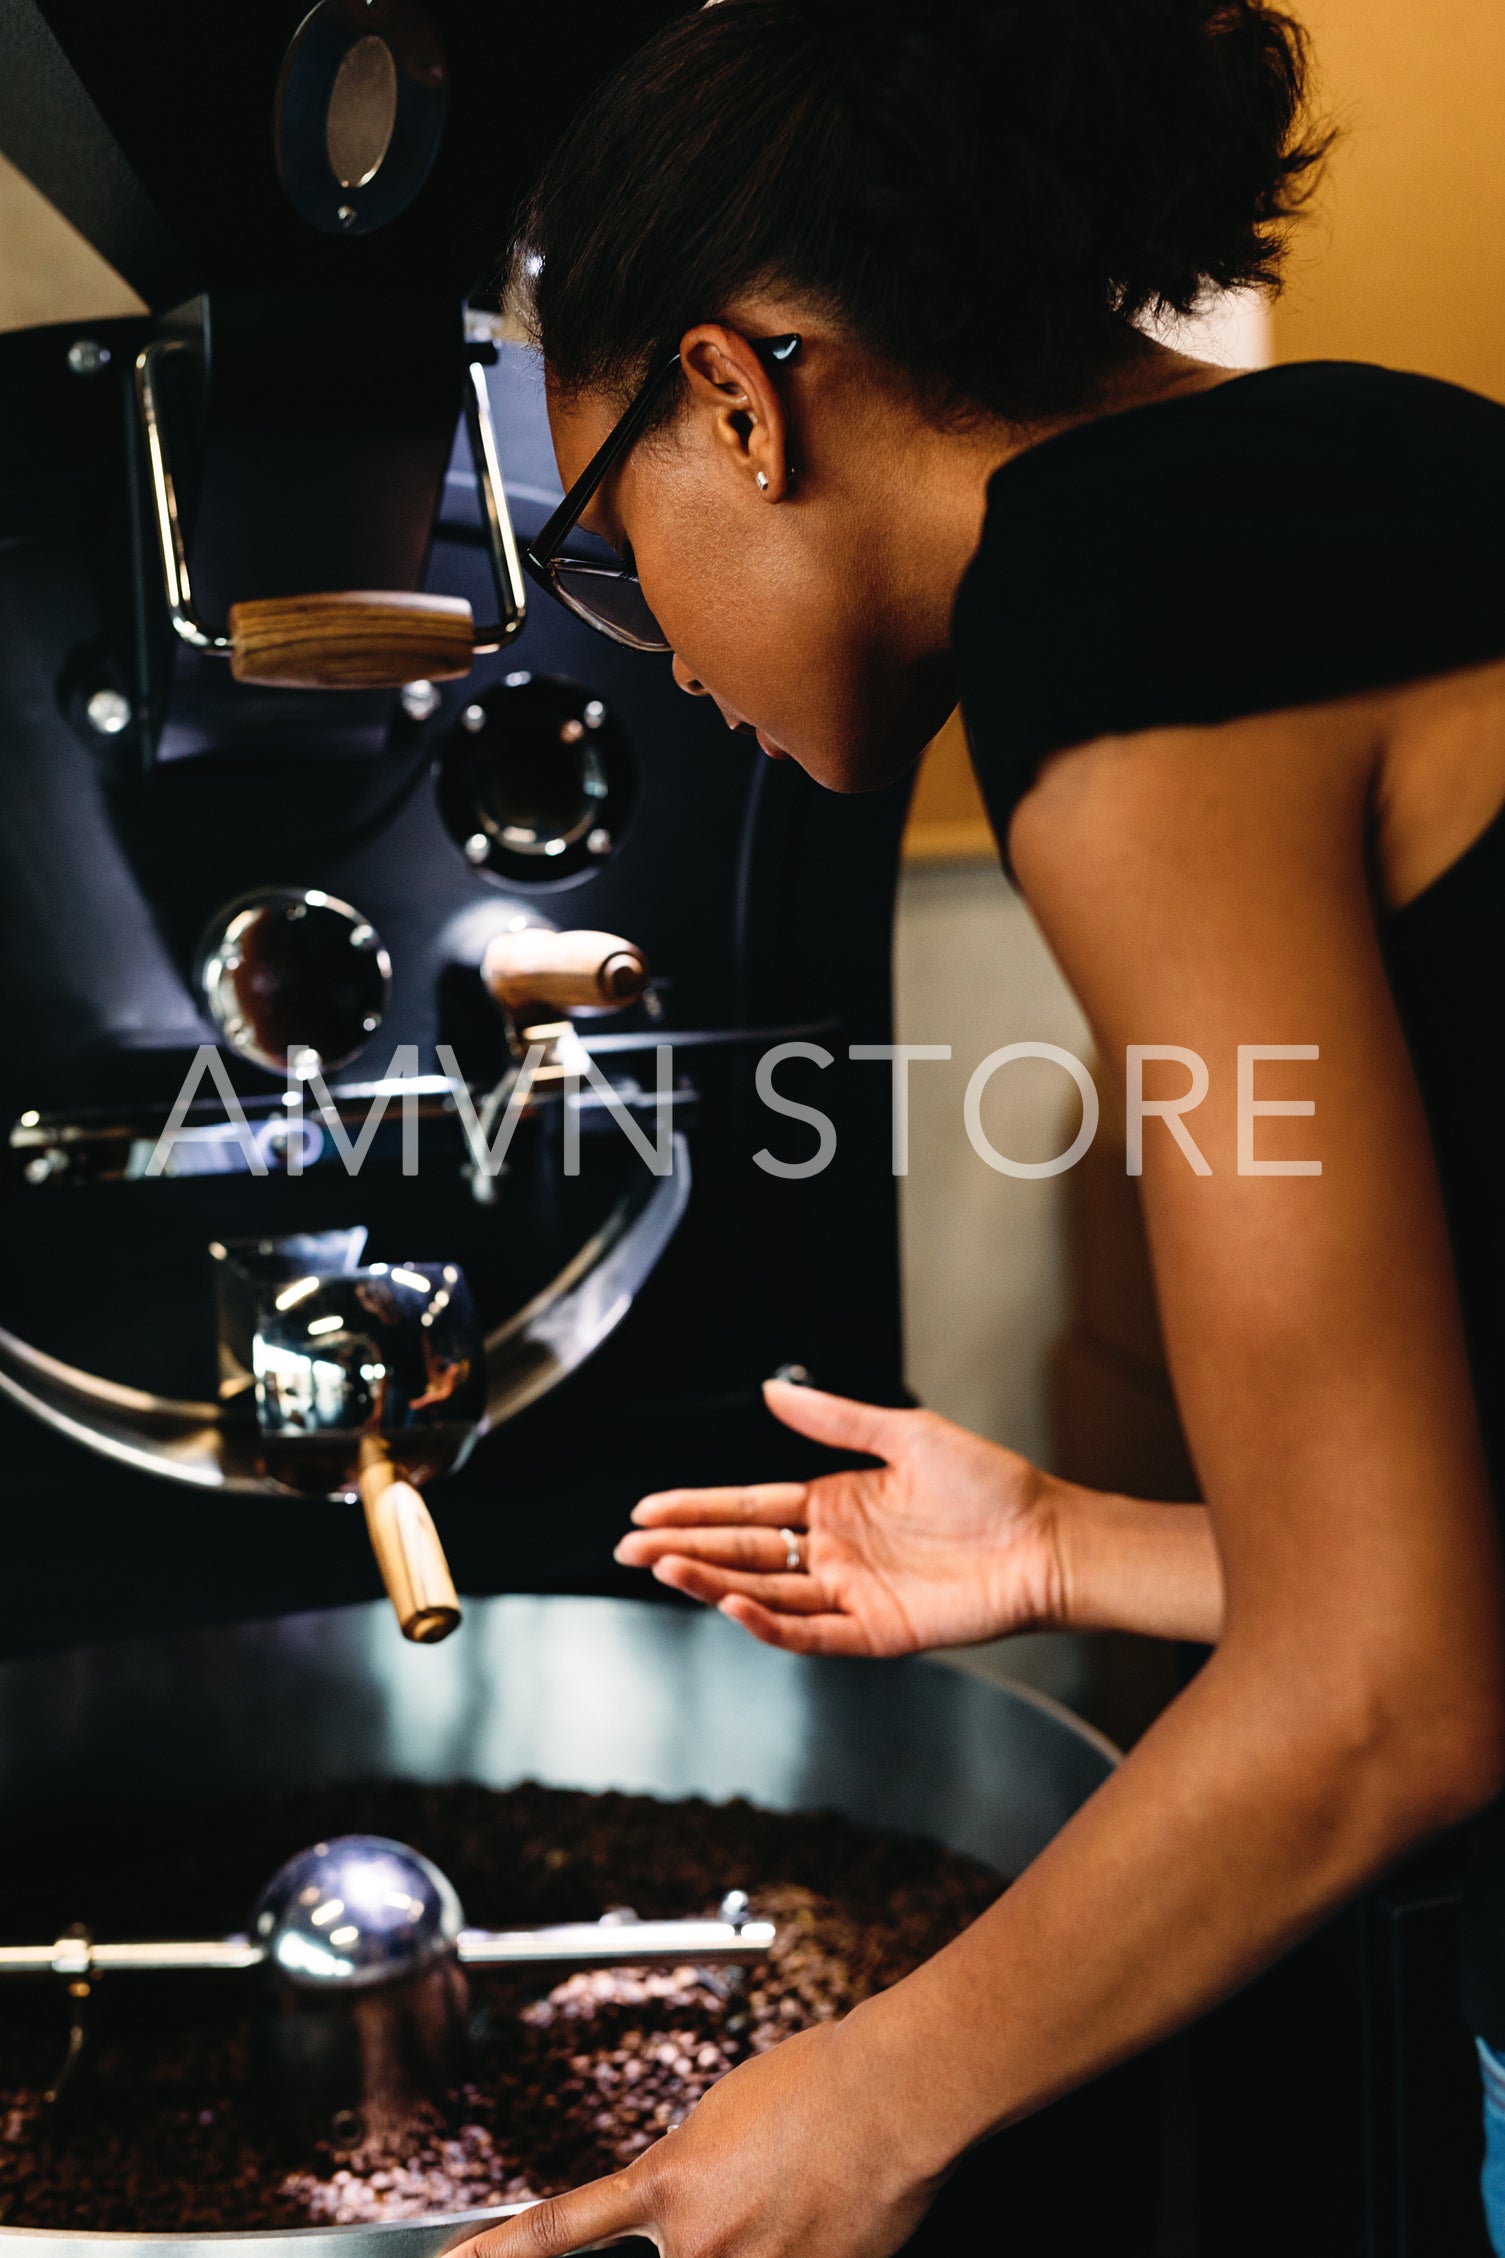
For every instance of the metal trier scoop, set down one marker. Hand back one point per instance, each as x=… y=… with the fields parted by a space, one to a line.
x=361 y=1948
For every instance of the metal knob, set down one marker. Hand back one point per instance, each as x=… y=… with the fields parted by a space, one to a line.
x=355 y=1911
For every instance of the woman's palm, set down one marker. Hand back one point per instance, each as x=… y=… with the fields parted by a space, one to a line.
x=948 y=1541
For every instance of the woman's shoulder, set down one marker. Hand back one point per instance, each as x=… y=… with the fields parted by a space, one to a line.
x=1342 y=415
x=1294 y=535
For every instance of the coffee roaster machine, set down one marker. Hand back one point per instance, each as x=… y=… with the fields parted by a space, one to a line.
x=387 y=967
x=327 y=860
x=308 y=846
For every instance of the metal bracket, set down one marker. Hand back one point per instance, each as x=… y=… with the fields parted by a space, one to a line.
x=501 y=543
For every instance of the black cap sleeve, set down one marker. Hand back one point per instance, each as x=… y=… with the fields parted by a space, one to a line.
x=1283 y=539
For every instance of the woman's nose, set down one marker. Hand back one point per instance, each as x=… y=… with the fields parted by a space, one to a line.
x=690 y=683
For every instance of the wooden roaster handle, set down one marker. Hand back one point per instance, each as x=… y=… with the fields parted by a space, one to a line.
x=407 y=1549
x=535 y=971
x=365 y=639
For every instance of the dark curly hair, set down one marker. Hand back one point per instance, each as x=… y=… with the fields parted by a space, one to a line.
x=990 y=194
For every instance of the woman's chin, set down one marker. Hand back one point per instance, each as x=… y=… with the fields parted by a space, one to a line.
x=849 y=770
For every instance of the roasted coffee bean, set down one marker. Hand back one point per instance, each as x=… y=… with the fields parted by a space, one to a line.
x=566 y=2085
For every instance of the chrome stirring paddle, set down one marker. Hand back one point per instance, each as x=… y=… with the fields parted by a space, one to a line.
x=362 y=1948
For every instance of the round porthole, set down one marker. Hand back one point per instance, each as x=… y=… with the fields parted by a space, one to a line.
x=535 y=781
x=293 y=971
x=359 y=112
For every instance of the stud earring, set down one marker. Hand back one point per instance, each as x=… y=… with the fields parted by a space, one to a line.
x=762 y=482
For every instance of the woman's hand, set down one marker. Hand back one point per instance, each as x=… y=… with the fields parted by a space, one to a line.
x=799 y=2151
x=951 y=1540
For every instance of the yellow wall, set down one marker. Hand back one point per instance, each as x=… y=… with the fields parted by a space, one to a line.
x=1403 y=260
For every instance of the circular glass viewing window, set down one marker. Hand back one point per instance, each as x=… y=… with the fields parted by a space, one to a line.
x=362 y=113
x=359 y=112
x=287 y=972
x=535 y=782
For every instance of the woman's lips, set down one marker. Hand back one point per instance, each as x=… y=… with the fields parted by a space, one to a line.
x=769 y=745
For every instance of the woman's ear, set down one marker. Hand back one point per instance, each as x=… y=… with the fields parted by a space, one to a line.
x=730 y=386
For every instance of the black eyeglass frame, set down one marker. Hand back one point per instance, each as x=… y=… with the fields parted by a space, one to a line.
x=541 y=555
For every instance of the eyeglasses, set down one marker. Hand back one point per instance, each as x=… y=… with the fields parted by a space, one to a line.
x=593 y=581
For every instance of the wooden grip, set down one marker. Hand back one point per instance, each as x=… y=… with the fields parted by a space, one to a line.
x=366 y=639
x=407 y=1549
x=563 y=971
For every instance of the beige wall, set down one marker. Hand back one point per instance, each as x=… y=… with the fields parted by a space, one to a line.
x=1404 y=258
x=47 y=271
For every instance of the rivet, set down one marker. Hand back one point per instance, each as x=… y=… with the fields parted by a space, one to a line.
x=87 y=357
x=473 y=719
x=600 y=841
x=477 y=847
x=108 y=712
x=420 y=700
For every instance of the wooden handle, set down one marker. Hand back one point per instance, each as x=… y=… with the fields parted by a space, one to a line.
x=407 y=1549
x=563 y=971
x=365 y=639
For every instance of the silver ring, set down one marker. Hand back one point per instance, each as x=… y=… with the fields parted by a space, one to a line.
x=793 y=1558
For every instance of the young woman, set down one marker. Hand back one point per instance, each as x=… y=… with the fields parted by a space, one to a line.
x=842 y=304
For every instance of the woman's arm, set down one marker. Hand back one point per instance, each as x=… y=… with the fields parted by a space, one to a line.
x=1205 y=889
x=1209 y=889
x=1127 y=1565
x=950 y=1540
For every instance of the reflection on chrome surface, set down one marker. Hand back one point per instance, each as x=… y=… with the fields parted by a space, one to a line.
x=360 y=1909
x=332 y=1352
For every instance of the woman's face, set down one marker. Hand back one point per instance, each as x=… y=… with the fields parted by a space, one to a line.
x=789 y=604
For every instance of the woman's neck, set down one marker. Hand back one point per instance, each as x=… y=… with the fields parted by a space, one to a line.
x=1147 y=373
x=959 y=460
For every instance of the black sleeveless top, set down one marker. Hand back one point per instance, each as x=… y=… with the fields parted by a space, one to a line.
x=1300 y=534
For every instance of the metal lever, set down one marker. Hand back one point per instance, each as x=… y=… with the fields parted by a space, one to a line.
x=533 y=976
x=368 y=639
x=612 y=1942
x=362 y=1950
x=608 y=1943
